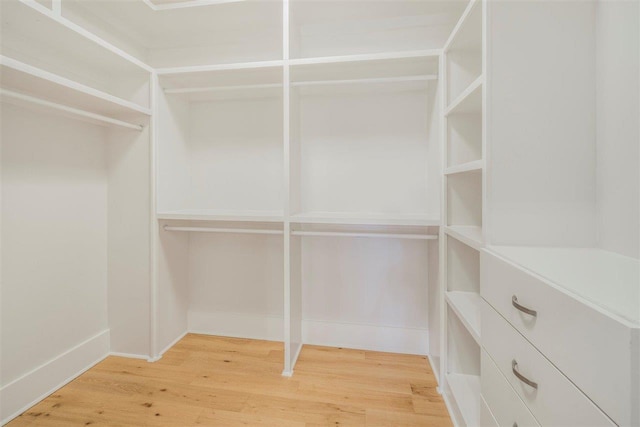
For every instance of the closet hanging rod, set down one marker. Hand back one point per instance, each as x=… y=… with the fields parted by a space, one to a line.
x=223 y=230
x=75 y=111
x=358 y=234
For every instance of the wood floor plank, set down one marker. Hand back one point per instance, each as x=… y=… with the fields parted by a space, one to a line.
x=219 y=381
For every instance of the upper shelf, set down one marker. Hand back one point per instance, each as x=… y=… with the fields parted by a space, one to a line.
x=222 y=215
x=381 y=67
x=191 y=33
x=26 y=79
x=326 y=28
x=34 y=35
x=349 y=218
x=605 y=279
x=224 y=81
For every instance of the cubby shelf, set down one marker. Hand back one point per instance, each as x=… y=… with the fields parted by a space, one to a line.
x=32 y=81
x=348 y=218
x=466 y=305
x=468 y=234
x=473 y=166
x=466 y=392
x=222 y=215
x=469 y=101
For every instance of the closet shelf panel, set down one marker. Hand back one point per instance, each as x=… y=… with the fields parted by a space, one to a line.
x=469 y=101
x=473 y=166
x=466 y=305
x=26 y=79
x=349 y=218
x=222 y=215
x=468 y=234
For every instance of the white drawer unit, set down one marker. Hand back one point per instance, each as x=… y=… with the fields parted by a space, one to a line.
x=551 y=397
x=577 y=309
x=505 y=405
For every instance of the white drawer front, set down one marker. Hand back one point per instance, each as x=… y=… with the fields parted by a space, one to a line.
x=556 y=401
x=505 y=405
x=486 y=417
x=589 y=347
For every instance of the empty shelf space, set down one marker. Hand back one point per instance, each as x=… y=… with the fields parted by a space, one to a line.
x=469 y=101
x=224 y=78
x=466 y=305
x=469 y=235
x=473 y=166
x=23 y=78
x=349 y=218
x=377 y=68
x=466 y=392
x=222 y=215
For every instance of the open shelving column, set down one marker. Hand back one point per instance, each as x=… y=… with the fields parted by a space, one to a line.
x=462 y=235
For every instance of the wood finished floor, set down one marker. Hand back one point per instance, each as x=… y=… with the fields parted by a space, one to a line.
x=215 y=381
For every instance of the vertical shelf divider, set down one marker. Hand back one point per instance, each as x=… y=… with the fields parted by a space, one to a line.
x=292 y=244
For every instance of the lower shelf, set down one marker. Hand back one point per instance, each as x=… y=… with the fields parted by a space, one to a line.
x=465 y=390
x=467 y=306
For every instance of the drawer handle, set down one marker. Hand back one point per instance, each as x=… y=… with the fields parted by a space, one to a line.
x=527 y=381
x=522 y=308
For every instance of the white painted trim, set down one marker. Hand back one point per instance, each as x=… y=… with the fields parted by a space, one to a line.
x=129 y=355
x=168 y=346
x=238 y=325
x=436 y=373
x=289 y=373
x=22 y=393
x=366 y=337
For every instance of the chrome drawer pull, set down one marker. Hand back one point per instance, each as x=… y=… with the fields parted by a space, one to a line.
x=514 y=301
x=527 y=381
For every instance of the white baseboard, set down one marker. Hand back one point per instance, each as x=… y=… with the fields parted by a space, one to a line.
x=436 y=372
x=366 y=337
x=24 y=392
x=171 y=344
x=239 y=325
x=129 y=355
x=332 y=334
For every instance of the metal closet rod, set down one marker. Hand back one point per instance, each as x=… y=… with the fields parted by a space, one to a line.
x=304 y=233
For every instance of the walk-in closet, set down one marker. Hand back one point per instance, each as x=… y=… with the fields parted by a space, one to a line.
x=320 y=212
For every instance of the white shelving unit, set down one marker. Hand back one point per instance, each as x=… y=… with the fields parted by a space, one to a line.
x=76 y=189
x=463 y=181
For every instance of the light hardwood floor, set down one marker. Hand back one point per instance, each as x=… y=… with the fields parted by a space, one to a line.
x=216 y=381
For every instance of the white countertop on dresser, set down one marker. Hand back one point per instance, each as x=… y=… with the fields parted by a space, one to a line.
x=605 y=279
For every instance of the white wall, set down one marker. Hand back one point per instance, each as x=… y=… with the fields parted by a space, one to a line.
x=128 y=241
x=54 y=241
x=541 y=123
x=617 y=129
